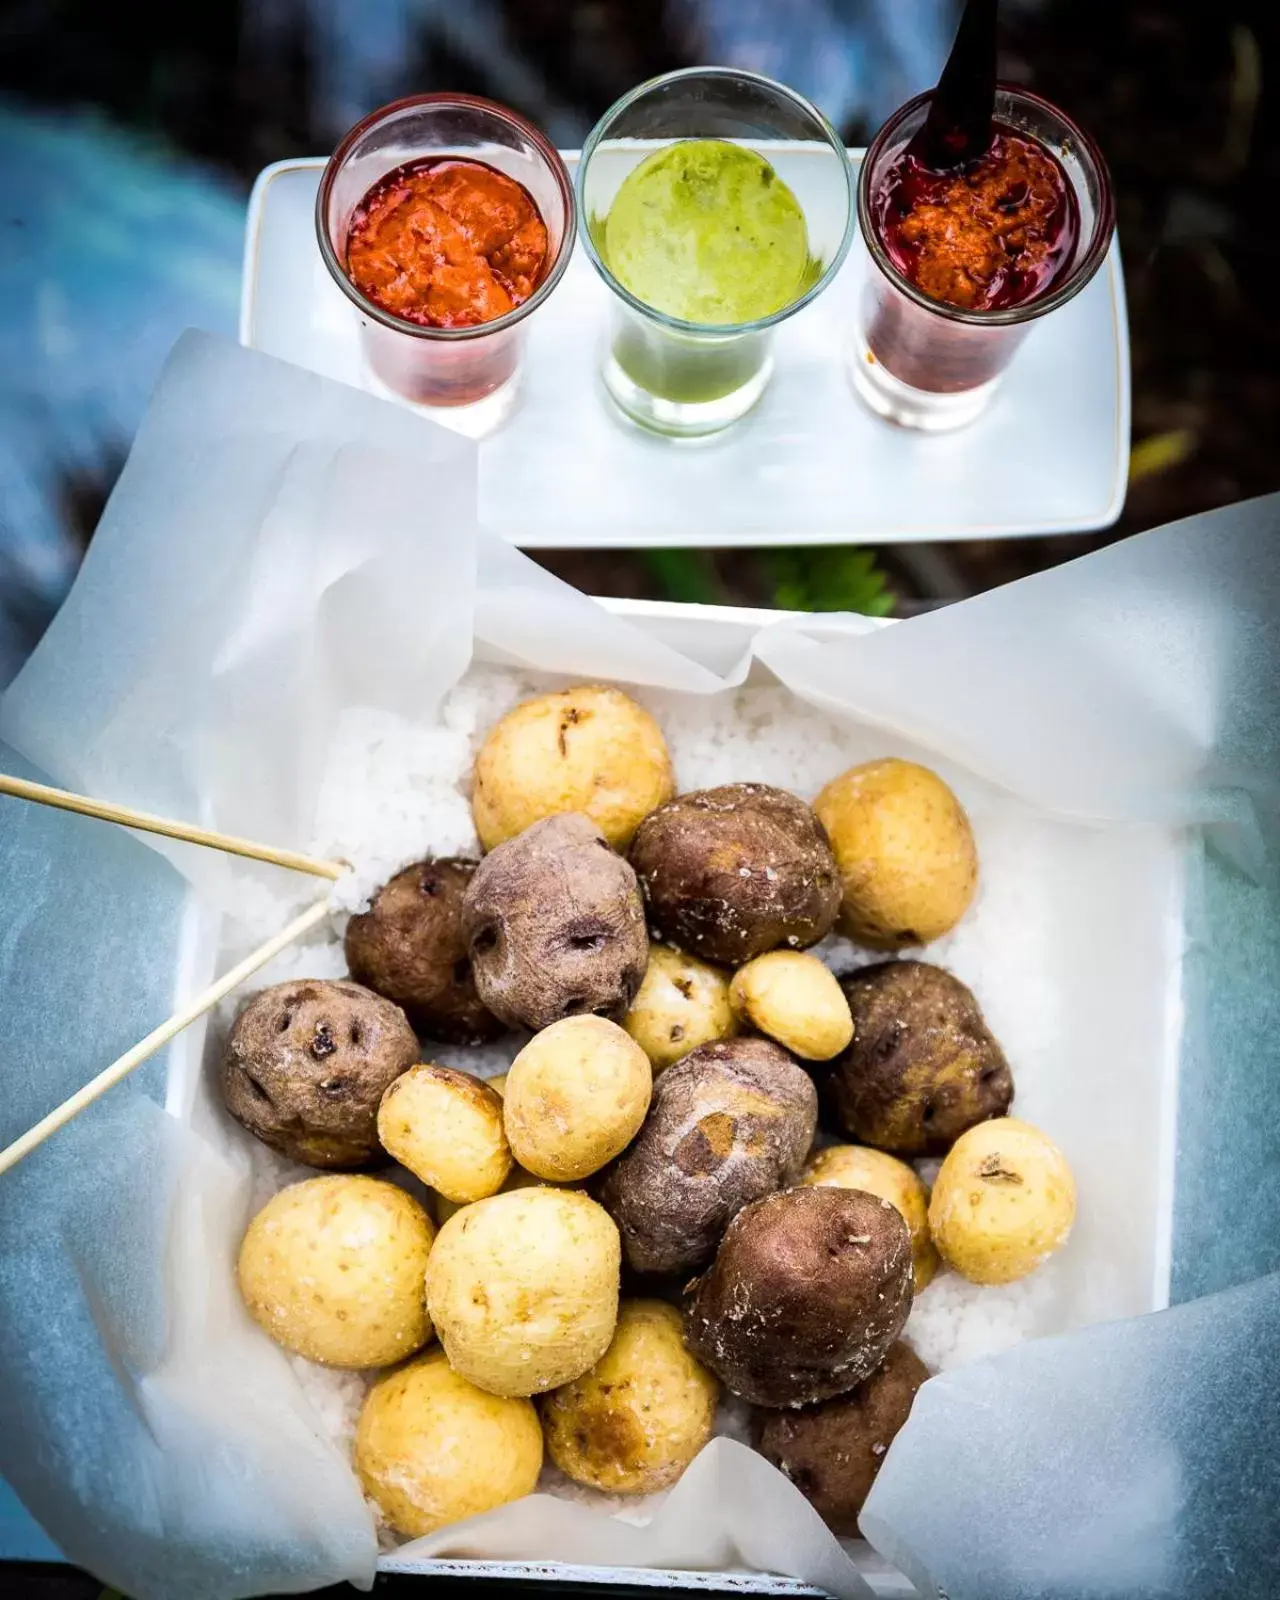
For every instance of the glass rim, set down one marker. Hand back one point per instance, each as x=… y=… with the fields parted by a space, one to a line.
x=1076 y=279
x=555 y=165
x=759 y=80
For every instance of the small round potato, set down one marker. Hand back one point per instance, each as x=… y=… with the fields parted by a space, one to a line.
x=905 y=850
x=591 y=749
x=796 y=1000
x=431 y=1448
x=923 y=1065
x=635 y=1421
x=1003 y=1202
x=681 y=1004
x=576 y=1096
x=833 y=1451
x=410 y=946
x=731 y=872
x=332 y=1268
x=523 y=1289
x=306 y=1066
x=852 y=1166
x=446 y=1127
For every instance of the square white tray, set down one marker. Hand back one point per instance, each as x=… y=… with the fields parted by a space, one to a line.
x=809 y=466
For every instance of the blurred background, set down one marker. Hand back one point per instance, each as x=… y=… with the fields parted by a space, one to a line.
x=129 y=138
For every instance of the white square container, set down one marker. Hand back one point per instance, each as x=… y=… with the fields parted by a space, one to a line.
x=717 y=635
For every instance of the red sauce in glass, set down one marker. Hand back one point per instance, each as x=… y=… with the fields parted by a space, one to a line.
x=995 y=233
x=447 y=243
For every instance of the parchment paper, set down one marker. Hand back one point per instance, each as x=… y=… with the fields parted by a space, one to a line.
x=280 y=549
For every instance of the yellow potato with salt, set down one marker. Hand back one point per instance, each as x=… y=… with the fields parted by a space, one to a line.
x=795 y=999
x=446 y=1127
x=681 y=1003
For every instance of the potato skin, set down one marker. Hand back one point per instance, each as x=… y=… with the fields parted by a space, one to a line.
x=796 y=1000
x=923 y=1066
x=854 y=1166
x=555 y=926
x=682 y=1003
x=907 y=857
x=575 y=1096
x=407 y=1453
x=523 y=1289
x=306 y=1066
x=1003 y=1201
x=807 y=1292
x=635 y=1421
x=446 y=1128
x=731 y=872
x=410 y=946
x=590 y=749
x=332 y=1268
x=730 y=1122
x=832 y=1451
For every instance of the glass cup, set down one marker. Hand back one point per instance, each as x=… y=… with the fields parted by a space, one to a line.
x=925 y=364
x=686 y=379
x=447 y=367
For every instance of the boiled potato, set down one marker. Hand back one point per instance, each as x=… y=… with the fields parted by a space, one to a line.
x=591 y=749
x=635 y=1421
x=576 y=1096
x=432 y=1449
x=523 y=1289
x=332 y=1269
x=681 y=1004
x=446 y=1127
x=905 y=851
x=796 y=1000
x=850 y=1166
x=1003 y=1202
x=517 y=1178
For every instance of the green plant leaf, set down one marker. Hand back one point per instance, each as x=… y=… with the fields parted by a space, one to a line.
x=829 y=578
x=686 y=575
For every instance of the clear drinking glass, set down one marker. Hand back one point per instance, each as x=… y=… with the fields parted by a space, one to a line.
x=686 y=379
x=923 y=363
x=453 y=367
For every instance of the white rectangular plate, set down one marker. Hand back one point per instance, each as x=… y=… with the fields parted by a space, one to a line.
x=809 y=466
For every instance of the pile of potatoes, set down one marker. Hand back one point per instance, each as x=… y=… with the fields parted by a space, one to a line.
x=657 y=1129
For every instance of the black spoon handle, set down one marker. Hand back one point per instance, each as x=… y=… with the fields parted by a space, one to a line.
x=958 y=127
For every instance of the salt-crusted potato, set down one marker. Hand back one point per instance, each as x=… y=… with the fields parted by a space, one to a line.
x=576 y=1096
x=332 y=1268
x=431 y=1448
x=410 y=946
x=306 y=1066
x=523 y=1289
x=681 y=1004
x=807 y=1292
x=446 y=1127
x=729 y=873
x=796 y=1000
x=635 y=1421
x=1003 y=1202
x=905 y=848
x=730 y=1122
x=591 y=749
x=833 y=1451
x=923 y=1065
x=555 y=926
x=852 y=1166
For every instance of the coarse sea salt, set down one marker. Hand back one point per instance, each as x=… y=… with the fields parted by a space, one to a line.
x=395 y=791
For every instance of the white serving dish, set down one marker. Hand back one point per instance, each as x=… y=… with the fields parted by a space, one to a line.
x=717 y=634
x=809 y=466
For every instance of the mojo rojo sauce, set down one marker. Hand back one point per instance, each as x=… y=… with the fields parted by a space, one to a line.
x=447 y=243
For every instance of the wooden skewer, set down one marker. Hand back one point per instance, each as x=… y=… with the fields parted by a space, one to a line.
x=25 y=1143
x=64 y=800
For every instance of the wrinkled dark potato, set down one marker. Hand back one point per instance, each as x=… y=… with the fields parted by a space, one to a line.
x=832 y=1451
x=306 y=1066
x=555 y=926
x=410 y=947
x=729 y=873
x=729 y=1122
x=807 y=1292
x=923 y=1066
